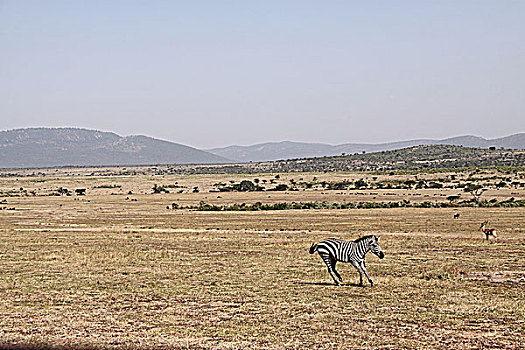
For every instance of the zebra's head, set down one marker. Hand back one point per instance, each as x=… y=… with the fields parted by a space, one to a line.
x=375 y=248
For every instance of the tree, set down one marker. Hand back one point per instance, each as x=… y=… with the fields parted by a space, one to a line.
x=246 y=186
x=475 y=190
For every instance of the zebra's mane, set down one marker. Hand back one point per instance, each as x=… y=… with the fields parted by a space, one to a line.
x=364 y=238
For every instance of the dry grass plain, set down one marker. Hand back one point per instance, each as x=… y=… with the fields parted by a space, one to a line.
x=104 y=271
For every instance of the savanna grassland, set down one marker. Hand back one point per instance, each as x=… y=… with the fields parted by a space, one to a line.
x=123 y=267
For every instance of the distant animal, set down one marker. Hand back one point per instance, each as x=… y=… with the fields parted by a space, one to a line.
x=487 y=231
x=332 y=250
x=456 y=216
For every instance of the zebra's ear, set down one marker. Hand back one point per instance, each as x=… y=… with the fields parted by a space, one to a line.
x=378 y=238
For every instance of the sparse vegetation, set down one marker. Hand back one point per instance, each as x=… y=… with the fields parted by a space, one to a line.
x=160 y=189
x=140 y=269
x=108 y=186
x=203 y=206
x=243 y=186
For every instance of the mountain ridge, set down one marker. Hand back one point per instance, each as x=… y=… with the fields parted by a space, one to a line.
x=45 y=147
x=48 y=147
x=271 y=151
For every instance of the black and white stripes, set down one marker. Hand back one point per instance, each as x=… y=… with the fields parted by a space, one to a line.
x=332 y=250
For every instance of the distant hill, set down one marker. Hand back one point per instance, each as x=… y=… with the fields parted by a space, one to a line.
x=47 y=147
x=290 y=150
x=417 y=157
x=44 y=147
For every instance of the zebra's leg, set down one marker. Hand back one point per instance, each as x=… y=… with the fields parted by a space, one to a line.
x=356 y=265
x=333 y=261
x=363 y=267
x=328 y=261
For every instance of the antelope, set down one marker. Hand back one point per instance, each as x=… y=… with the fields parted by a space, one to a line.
x=487 y=231
x=456 y=216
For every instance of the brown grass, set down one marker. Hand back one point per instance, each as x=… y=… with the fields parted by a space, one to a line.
x=105 y=272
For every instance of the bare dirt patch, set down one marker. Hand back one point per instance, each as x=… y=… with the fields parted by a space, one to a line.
x=499 y=276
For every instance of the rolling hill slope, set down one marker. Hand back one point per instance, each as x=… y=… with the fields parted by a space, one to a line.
x=45 y=147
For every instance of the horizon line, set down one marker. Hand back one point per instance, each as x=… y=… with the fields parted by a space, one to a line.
x=265 y=142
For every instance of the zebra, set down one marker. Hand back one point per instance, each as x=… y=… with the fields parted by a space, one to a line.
x=332 y=250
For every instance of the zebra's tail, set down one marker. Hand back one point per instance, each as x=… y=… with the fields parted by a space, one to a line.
x=313 y=248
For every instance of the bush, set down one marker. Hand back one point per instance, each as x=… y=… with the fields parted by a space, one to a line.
x=360 y=184
x=280 y=187
x=80 y=191
x=159 y=189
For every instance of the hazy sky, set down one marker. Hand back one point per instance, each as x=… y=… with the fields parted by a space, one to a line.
x=216 y=73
